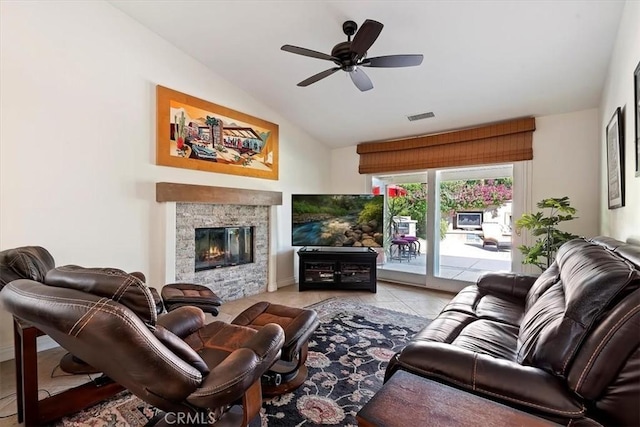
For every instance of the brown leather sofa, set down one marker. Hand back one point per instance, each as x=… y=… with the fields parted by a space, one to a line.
x=174 y=361
x=564 y=346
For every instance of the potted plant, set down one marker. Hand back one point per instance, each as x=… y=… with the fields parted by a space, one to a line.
x=545 y=228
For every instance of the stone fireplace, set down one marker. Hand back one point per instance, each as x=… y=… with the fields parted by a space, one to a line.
x=231 y=282
x=191 y=207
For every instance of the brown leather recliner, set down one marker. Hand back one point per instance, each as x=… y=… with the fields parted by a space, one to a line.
x=34 y=262
x=564 y=346
x=173 y=361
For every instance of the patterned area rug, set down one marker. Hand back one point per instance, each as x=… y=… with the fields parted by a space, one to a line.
x=348 y=354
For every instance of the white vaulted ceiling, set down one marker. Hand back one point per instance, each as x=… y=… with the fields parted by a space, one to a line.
x=484 y=61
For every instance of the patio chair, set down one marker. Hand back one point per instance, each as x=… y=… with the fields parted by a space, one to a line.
x=492 y=234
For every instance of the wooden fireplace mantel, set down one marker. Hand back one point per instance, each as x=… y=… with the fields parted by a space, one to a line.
x=189 y=193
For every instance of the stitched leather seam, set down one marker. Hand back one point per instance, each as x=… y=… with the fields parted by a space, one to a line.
x=603 y=343
x=86 y=317
x=150 y=303
x=235 y=380
x=40 y=296
x=120 y=290
x=110 y=310
x=22 y=258
x=273 y=344
x=116 y=313
x=509 y=398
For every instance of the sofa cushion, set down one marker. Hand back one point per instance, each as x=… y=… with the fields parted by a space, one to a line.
x=591 y=278
x=490 y=338
x=497 y=307
x=445 y=328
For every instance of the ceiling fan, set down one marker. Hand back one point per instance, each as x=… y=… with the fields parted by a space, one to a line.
x=349 y=56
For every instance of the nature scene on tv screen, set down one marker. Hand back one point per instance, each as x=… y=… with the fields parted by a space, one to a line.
x=337 y=220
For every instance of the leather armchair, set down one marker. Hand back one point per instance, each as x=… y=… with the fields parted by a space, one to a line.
x=173 y=361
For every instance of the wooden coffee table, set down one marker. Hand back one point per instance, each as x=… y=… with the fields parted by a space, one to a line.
x=409 y=400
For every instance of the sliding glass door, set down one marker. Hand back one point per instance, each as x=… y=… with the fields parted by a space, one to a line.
x=404 y=252
x=446 y=227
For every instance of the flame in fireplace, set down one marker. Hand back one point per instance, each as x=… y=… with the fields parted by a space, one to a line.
x=214 y=252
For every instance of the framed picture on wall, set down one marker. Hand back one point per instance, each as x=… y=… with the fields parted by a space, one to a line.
x=196 y=134
x=615 y=161
x=636 y=86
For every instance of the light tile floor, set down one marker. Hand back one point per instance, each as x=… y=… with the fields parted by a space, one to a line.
x=408 y=299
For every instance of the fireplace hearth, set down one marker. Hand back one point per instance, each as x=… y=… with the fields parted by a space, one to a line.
x=223 y=247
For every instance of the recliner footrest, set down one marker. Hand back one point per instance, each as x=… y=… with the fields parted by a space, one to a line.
x=298 y=325
x=188 y=294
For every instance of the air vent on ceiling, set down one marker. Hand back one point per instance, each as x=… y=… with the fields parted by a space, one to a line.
x=421 y=116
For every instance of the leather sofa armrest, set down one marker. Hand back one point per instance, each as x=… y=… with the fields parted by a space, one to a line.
x=497 y=379
x=512 y=285
x=182 y=321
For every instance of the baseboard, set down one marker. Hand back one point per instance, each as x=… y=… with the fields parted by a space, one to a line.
x=286 y=282
x=44 y=343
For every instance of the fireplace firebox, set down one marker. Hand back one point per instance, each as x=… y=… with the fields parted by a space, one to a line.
x=223 y=247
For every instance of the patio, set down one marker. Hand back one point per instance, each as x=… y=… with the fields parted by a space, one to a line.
x=464 y=260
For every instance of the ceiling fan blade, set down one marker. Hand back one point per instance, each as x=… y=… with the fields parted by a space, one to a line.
x=393 y=61
x=360 y=79
x=319 y=76
x=308 y=52
x=364 y=38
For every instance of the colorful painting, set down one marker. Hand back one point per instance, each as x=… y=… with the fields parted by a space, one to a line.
x=196 y=134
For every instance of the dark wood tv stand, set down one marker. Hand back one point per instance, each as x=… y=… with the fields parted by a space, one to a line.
x=337 y=268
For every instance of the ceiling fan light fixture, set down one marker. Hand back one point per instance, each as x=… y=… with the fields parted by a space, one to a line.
x=421 y=116
x=350 y=55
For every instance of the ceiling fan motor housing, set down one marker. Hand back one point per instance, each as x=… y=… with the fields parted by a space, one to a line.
x=342 y=51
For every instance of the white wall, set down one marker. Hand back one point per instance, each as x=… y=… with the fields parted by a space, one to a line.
x=77 y=147
x=566 y=162
x=622 y=223
x=345 y=178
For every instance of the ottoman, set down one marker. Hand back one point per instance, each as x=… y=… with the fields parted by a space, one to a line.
x=289 y=372
x=177 y=295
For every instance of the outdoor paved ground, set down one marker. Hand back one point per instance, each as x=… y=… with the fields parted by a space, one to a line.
x=460 y=260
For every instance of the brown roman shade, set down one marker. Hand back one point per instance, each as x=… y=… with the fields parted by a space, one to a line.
x=496 y=143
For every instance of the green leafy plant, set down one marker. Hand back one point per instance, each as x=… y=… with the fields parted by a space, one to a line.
x=544 y=227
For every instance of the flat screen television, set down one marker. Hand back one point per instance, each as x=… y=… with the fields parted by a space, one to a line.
x=468 y=220
x=337 y=220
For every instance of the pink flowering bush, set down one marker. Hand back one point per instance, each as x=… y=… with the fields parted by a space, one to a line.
x=474 y=195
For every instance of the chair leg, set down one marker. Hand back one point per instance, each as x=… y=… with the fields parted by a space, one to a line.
x=251 y=402
x=246 y=414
